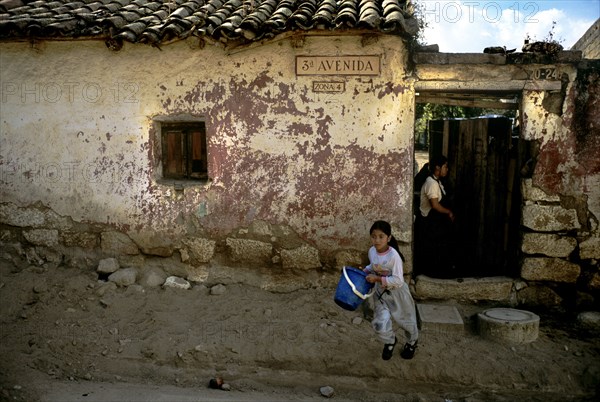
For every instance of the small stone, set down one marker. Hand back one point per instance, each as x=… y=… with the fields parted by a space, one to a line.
x=217 y=290
x=104 y=303
x=105 y=352
x=176 y=282
x=226 y=387
x=17 y=387
x=40 y=288
x=589 y=319
x=108 y=266
x=566 y=348
x=327 y=391
x=105 y=288
x=88 y=376
x=357 y=320
x=124 y=277
x=136 y=288
x=71 y=310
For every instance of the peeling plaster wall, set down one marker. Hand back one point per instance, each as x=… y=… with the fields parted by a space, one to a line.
x=566 y=125
x=78 y=136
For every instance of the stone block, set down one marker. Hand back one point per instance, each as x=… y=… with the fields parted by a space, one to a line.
x=595 y=281
x=79 y=239
x=538 y=296
x=199 y=250
x=116 y=243
x=12 y=215
x=42 y=237
x=197 y=273
x=531 y=193
x=549 y=218
x=124 y=277
x=152 y=277
x=136 y=261
x=551 y=245
x=590 y=248
x=154 y=243
x=251 y=251
x=549 y=269
x=469 y=289
x=590 y=319
x=56 y=221
x=261 y=228
x=108 y=266
x=304 y=257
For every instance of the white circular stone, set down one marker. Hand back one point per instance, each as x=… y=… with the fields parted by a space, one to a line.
x=509 y=314
x=507 y=324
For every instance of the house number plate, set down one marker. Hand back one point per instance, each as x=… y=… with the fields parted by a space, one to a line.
x=545 y=74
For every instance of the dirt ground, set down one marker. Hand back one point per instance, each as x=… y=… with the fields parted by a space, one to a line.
x=58 y=328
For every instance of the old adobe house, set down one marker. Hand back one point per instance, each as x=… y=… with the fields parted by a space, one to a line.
x=269 y=134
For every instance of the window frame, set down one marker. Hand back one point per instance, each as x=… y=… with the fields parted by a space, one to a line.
x=183 y=158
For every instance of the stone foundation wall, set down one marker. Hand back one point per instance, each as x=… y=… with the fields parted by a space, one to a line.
x=560 y=256
x=39 y=235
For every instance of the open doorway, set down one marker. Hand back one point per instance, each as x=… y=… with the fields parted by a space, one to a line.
x=479 y=134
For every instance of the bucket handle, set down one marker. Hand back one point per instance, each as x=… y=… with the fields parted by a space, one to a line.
x=356 y=292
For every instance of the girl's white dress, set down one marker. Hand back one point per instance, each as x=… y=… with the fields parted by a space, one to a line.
x=392 y=298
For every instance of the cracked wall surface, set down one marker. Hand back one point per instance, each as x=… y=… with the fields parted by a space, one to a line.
x=79 y=136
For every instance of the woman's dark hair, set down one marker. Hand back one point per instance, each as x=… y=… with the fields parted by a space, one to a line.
x=439 y=160
x=386 y=228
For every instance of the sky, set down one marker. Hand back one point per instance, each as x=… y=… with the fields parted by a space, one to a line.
x=469 y=26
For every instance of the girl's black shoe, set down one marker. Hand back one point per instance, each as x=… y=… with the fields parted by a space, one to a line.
x=388 y=350
x=408 y=351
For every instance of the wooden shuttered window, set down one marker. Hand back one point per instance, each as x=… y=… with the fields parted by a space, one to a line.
x=184 y=153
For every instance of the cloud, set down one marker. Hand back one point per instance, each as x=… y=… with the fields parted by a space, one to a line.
x=470 y=26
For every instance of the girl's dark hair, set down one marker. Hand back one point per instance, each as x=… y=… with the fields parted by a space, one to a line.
x=386 y=228
x=439 y=160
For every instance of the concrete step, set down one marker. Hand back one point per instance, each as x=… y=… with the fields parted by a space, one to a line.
x=438 y=318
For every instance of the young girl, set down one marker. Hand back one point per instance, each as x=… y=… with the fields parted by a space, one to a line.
x=392 y=296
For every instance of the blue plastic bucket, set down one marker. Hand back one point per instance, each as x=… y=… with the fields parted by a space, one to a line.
x=352 y=289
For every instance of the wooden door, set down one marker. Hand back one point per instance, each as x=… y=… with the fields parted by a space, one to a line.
x=481 y=182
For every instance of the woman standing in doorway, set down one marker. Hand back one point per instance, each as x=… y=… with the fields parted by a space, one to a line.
x=434 y=224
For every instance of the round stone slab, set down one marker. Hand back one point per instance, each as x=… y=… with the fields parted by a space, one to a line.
x=507 y=324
